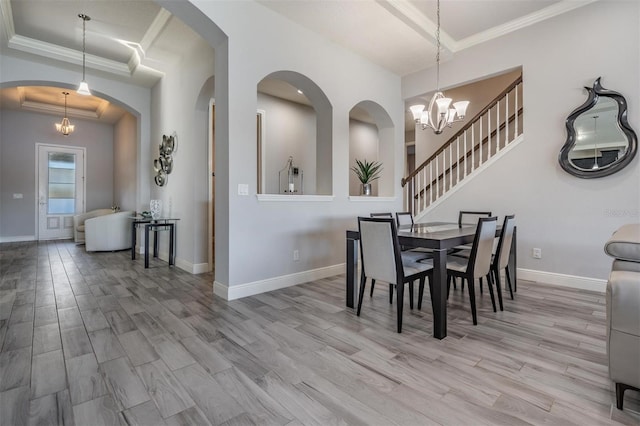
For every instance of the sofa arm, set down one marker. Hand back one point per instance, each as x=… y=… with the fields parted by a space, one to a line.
x=624 y=244
x=109 y=233
x=623 y=327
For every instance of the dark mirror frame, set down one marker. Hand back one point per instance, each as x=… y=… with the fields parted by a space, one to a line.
x=594 y=94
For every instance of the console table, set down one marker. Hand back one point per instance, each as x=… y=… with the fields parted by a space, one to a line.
x=154 y=225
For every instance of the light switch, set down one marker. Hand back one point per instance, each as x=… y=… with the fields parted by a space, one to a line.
x=17 y=196
x=243 y=189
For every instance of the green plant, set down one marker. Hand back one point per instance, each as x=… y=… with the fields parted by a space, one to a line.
x=367 y=171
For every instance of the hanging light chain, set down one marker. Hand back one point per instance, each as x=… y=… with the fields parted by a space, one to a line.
x=84 y=18
x=438 y=50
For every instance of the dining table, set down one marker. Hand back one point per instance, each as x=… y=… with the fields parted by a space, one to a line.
x=440 y=237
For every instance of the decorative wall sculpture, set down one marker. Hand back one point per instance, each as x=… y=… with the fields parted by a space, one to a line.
x=163 y=165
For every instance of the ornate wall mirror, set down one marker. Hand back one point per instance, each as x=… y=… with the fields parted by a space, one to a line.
x=600 y=141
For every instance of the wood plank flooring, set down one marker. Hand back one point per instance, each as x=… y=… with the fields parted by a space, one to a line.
x=96 y=339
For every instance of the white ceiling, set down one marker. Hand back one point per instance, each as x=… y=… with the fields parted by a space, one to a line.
x=134 y=40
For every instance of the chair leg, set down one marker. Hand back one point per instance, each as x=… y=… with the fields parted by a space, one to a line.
x=620 y=388
x=508 y=275
x=363 y=282
x=472 y=299
x=400 y=300
x=454 y=282
x=373 y=284
x=420 y=293
x=490 y=285
x=496 y=275
x=390 y=294
x=480 y=285
x=411 y=295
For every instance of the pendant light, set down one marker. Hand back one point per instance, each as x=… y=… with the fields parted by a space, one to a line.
x=65 y=127
x=83 y=89
x=439 y=115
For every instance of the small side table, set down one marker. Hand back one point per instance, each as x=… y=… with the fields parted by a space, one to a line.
x=154 y=225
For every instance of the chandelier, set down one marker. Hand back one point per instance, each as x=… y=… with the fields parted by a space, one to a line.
x=439 y=115
x=83 y=89
x=65 y=127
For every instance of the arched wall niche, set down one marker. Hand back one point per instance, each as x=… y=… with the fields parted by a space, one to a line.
x=371 y=138
x=294 y=124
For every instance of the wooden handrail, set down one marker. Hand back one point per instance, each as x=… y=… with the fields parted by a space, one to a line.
x=467 y=154
x=463 y=129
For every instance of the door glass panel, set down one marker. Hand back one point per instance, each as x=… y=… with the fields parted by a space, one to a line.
x=62 y=186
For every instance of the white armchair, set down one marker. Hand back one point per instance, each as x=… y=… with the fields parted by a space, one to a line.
x=109 y=232
x=78 y=223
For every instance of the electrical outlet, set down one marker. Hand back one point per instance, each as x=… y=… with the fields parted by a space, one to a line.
x=536 y=253
x=296 y=255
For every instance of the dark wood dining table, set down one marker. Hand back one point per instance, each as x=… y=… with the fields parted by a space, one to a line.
x=437 y=236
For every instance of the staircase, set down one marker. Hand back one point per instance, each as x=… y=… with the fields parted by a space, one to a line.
x=485 y=138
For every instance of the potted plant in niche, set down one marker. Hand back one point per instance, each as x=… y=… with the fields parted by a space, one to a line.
x=367 y=172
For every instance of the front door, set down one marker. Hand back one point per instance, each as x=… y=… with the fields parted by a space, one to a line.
x=60 y=190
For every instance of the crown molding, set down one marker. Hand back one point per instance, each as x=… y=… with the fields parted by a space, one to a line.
x=7 y=18
x=414 y=18
x=58 y=110
x=522 y=22
x=53 y=51
x=133 y=67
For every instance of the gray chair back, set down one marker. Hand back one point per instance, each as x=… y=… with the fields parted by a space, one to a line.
x=404 y=218
x=379 y=248
x=466 y=217
x=482 y=249
x=385 y=214
x=504 y=243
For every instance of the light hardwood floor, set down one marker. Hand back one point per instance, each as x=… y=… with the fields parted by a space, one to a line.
x=92 y=339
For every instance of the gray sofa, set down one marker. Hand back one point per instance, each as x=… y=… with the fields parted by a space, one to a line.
x=623 y=310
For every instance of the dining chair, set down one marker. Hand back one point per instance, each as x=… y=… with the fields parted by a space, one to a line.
x=410 y=255
x=466 y=217
x=500 y=260
x=478 y=264
x=404 y=219
x=382 y=260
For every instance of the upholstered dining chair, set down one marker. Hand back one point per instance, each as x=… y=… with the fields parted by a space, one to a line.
x=478 y=264
x=413 y=255
x=382 y=260
x=500 y=259
x=384 y=214
x=466 y=217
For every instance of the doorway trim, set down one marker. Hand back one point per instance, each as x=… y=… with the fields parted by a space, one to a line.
x=211 y=184
x=39 y=145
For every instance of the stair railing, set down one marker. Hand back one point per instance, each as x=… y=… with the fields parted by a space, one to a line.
x=491 y=130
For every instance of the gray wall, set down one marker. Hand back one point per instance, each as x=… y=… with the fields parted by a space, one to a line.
x=290 y=130
x=569 y=218
x=19 y=133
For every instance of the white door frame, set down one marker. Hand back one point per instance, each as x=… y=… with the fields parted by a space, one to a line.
x=37 y=180
x=211 y=183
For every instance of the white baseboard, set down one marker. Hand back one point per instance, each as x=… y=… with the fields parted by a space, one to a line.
x=249 y=289
x=562 y=280
x=17 y=239
x=200 y=268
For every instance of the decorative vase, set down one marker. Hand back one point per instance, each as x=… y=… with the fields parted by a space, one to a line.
x=155 y=206
x=366 y=189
